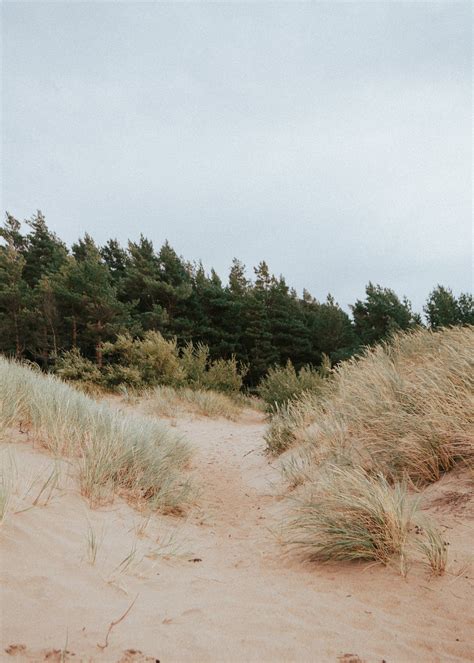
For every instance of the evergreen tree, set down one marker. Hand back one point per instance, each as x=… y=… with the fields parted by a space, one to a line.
x=85 y=290
x=330 y=329
x=174 y=289
x=141 y=285
x=290 y=335
x=442 y=309
x=381 y=314
x=44 y=252
x=15 y=298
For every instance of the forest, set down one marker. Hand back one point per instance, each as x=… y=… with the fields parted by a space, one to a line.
x=54 y=299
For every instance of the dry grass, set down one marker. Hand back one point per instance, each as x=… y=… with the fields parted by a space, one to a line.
x=433 y=546
x=406 y=409
x=399 y=417
x=289 y=420
x=113 y=451
x=169 y=402
x=351 y=515
x=5 y=495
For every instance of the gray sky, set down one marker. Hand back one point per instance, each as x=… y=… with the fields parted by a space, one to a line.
x=331 y=139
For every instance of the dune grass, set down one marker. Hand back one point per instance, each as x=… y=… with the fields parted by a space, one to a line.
x=113 y=451
x=351 y=515
x=5 y=495
x=405 y=409
x=393 y=420
x=170 y=402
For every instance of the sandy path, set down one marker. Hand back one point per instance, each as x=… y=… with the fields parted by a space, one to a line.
x=242 y=601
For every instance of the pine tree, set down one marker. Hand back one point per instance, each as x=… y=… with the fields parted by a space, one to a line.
x=443 y=309
x=15 y=299
x=89 y=300
x=44 y=252
x=330 y=329
x=380 y=314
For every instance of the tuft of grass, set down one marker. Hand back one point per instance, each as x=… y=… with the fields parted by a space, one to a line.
x=48 y=486
x=128 y=561
x=114 y=452
x=169 y=402
x=5 y=495
x=434 y=548
x=93 y=543
x=351 y=515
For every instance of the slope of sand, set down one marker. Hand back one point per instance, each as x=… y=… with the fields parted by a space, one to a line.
x=214 y=585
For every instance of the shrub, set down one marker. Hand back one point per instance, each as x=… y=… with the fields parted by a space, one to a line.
x=112 y=451
x=117 y=377
x=194 y=360
x=72 y=366
x=283 y=384
x=155 y=358
x=225 y=375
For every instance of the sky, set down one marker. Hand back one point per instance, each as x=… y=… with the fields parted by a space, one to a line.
x=331 y=139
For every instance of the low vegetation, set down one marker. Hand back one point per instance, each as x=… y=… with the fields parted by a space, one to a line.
x=112 y=451
x=404 y=409
x=352 y=515
x=399 y=416
x=140 y=363
x=283 y=384
x=169 y=402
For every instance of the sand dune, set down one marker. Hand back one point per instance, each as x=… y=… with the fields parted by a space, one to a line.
x=214 y=585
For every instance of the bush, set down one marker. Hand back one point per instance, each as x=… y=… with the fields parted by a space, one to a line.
x=115 y=376
x=225 y=375
x=154 y=358
x=74 y=367
x=283 y=384
x=194 y=360
x=152 y=361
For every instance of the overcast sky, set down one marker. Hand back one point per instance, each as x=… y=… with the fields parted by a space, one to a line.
x=331 y=139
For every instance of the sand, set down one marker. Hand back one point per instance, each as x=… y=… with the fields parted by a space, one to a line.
x=214 y=585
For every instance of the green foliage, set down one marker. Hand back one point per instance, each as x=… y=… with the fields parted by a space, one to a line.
x=153 y=358
x=194 y=360
x=283 y=384
x=381 y=314
x=444 y=309
x=72 y=366
x=53 y=300
x=225 y=375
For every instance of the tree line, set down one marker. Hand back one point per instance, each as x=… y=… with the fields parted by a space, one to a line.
x=54 y=299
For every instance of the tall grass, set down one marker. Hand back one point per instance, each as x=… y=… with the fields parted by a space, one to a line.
x=405 y=409
x=351 y=515
x=113 y=451
x=289 y=421
x=398 y=417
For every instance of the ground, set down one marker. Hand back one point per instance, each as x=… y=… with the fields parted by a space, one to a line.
x=215 y=584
